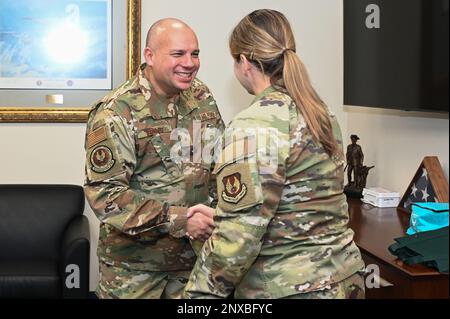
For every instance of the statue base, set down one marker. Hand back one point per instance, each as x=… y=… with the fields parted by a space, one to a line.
x=353 y=192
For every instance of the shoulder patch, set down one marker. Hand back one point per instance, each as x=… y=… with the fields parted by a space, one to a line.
x=102 y=159
x=234 y=188
x=97 y=136
x=238 y=187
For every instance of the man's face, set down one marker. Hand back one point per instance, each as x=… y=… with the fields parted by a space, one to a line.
x=174 y=61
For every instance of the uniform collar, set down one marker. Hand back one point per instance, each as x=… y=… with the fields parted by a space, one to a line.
x=161 y=107
x=188 y=102
x=266 y=92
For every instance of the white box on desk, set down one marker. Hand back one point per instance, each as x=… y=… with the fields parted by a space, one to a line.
x=380 y=197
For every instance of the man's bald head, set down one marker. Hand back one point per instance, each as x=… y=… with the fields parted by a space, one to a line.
x=172 y=56
x=162 y=27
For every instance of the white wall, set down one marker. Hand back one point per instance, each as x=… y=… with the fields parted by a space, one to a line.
x=396 y=143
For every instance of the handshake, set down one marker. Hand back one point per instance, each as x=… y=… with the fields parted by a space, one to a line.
x=200 y=224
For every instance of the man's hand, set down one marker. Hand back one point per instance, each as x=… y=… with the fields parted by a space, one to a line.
x=200 y=222
x=200 y=208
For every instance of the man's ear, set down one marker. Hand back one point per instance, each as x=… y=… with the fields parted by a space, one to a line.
x=148 y=56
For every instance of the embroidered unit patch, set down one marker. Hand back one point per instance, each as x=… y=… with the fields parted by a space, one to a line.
x=102 y=159
x=234 y=189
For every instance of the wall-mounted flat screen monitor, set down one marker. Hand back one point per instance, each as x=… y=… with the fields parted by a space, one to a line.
x=396 y=54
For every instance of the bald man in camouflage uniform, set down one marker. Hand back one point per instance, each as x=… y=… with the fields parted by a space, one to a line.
x=281 y=224
x=136 y=182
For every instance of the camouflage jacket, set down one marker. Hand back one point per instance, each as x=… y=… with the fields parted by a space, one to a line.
x=137 y=181
x=282 y=219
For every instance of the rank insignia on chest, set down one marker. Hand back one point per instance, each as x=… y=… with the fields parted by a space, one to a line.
x=102 y=159
x=234 y=189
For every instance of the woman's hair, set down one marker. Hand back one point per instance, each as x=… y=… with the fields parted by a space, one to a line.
x=265 y=38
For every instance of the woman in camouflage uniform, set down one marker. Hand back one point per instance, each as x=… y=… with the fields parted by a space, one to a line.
x=282 y=219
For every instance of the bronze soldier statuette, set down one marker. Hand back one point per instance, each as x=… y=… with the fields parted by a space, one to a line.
x=356 y=171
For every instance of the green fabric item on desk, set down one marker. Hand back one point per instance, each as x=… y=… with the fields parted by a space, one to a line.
x=429 y=248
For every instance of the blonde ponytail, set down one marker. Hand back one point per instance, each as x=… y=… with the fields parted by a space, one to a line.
x=311 y=106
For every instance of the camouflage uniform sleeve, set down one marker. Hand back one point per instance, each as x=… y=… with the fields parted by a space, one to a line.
x=220 y=127
x=247 y=203
x=110 y=163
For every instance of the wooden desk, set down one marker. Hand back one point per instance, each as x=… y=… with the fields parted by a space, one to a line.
x=375 y=229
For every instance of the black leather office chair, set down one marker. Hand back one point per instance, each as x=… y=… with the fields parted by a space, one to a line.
x=44 y=242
